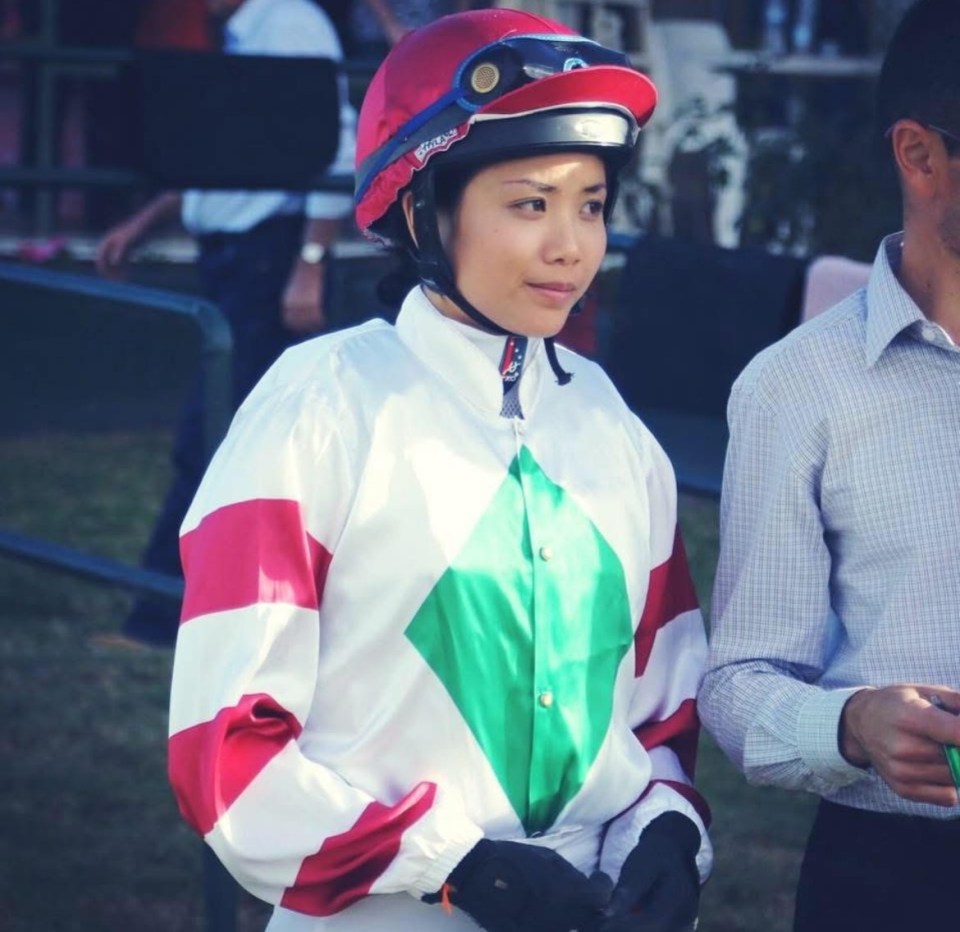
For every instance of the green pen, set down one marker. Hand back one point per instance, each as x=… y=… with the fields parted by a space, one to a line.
x=950 y=751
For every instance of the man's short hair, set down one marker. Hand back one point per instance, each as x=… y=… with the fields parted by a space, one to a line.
x=920 y=77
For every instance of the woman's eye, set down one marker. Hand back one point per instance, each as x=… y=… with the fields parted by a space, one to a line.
x=594 y=208
x=537 y=204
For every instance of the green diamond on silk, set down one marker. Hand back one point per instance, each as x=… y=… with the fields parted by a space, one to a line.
x=504 y=627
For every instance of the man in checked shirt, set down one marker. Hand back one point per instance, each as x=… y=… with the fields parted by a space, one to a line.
x=836 y=615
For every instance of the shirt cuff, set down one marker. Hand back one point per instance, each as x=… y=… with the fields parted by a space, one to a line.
x=818 y=729
x=323 y=205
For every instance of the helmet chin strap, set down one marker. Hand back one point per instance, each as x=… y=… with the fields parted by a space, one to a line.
x=435 y=271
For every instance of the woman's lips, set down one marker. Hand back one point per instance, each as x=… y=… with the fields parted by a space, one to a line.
x=556 y=292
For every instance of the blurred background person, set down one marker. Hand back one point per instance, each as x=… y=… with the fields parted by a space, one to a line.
x=376 y=25
x=262 y=259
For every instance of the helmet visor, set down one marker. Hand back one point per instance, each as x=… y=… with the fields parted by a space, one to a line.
x=504 y=66
x=488 y=74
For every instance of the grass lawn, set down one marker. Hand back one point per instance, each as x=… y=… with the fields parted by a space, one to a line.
x=90 y=838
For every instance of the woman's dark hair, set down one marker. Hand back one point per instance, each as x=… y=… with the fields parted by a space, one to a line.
x=920 y=77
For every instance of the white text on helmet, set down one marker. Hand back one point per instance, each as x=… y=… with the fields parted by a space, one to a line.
x=442 y=141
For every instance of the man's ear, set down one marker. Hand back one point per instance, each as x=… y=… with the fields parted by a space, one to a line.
x=406 y=204
x=914 y=150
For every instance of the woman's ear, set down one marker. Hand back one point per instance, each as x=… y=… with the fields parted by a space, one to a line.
x=406 y=204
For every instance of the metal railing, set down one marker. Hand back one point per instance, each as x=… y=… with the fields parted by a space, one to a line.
x=220 y=891
x=216 y=339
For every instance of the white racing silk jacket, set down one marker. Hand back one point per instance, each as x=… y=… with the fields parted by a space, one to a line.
x=410 y=622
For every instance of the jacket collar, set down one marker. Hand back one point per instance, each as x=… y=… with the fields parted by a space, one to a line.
x=466 y=357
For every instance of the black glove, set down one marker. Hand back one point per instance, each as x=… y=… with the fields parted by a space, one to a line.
x=507 y=886
x=659 y=888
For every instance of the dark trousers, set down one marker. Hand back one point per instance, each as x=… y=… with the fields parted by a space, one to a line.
x=244 y=275
x=875 y=872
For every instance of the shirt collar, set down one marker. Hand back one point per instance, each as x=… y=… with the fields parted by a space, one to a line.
x=466 y=357
x=890 y=310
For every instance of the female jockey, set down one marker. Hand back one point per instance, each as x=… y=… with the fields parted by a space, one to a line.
x=440 y=648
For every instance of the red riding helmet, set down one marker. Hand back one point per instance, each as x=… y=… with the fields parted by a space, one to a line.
x=477 y=88
x=490 y=85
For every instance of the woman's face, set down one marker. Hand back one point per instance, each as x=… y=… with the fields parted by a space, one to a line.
x=526 y=240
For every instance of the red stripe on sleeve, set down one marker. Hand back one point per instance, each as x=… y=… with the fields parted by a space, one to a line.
x=211 y=764
x=346 y=866
x=670 y=593
x=251 y=552
x=679 y=732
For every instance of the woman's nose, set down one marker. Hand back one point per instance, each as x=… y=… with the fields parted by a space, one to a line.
x=563 y=244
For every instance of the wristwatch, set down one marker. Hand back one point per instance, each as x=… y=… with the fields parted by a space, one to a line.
x=313 y=253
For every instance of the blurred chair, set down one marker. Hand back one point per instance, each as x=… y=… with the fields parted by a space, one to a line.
x=693 y=135
x=830 y=279
x=235 y=122
x=688 y=318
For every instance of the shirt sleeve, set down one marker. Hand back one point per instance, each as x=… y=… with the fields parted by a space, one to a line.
x=257 y=545
x=771 y=630
x=669 y=654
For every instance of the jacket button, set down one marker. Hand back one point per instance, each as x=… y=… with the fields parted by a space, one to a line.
x=545 y=699
x=546 y=554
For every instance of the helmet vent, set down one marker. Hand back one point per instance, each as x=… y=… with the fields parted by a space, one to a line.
x=485 y=77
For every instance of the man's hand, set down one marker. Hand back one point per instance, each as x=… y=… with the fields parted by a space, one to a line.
x=114 y=249
x=303 y=310
x=395 y=31
x=392 y=28
x=659 y=887
x=899 y=733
